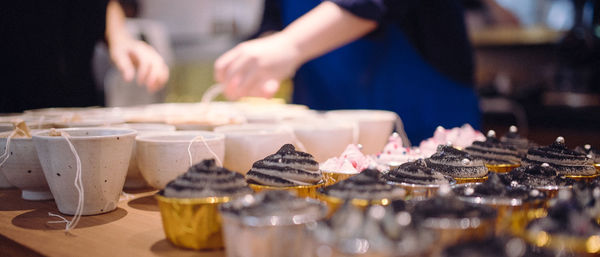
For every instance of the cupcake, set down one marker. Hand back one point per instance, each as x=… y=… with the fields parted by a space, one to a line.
x=351 y=162
x=191 y=201
x=270 y=223
x=368 y=187
x=503 y=246
x=513 y=138
x=381 y=231
x=454 y=220
x=417 y=179
x=394 y=154
x=511 y=201
x=457 y=164
x=591 y=153
x=497 y=156
x=570 y=226
x=566 y=162
x=287 y=169
x=542 y=177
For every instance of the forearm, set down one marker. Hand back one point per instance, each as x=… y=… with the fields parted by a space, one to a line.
x=115 y=23
x=325 y=28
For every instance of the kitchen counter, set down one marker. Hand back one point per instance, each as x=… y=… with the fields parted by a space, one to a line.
x=133 y=229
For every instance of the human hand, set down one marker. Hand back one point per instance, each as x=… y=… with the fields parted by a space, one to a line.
x=135 y=58
x=256 y=67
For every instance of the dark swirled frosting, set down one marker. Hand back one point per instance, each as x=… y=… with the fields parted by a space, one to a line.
x=449 y=206
x=492 y=151
x=591 y=152
x=456 y=163
x=287 y=167
x=513 y=138
x=536 y=176
x=417 y=173
x=369 y=184
x=494 y=188
x=557 y=155
x=206 y=179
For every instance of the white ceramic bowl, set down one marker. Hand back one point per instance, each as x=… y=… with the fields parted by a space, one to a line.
x=324 y=138
x=375 y=126
x=248 y=143
x=163 y=156
x=104 y=155
x=134 y=176
x=23 y=169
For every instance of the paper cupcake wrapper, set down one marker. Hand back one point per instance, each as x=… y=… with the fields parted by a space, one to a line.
x=419 y=192
x=586 y=178
x=192 y=223
x=501 y=168
x=300 y=191
x=597 y=165
x=582 y=246
x=454 y=231
x=333 y=177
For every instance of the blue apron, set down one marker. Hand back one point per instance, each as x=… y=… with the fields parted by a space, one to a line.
x=382 y=71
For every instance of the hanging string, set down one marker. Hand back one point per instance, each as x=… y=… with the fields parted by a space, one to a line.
x=78 y=183
x=40 y=121
x=295 y=139
x=4 y=157
x=207 y=147
x=209 y=95
x=355 y=132
x=400 y=130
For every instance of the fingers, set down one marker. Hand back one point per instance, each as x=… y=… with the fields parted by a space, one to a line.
x=151 y=69
x=223 y=62
x=124 y=64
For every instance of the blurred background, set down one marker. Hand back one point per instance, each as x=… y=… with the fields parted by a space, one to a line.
x=527 y=70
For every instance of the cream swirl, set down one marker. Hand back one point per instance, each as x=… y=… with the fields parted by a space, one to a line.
x=206 y=179
x=492 y=151
x=557 y=155
x=456 y=163
x=287 y=167
x=369 y=185
x=418 y=173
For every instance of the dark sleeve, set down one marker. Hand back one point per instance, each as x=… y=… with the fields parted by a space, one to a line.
x=377 y=10
x=271 y=19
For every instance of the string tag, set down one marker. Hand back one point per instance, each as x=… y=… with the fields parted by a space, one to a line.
x=78 y=186
x=295 y=139
x=201 y=138
x=400 y=130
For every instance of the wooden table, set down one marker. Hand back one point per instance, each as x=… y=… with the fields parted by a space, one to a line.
x=133 y=229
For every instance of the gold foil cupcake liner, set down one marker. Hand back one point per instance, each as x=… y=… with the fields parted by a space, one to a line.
x=192 y=222
x=300 y=191
x=454 y=231
x=597 y=165
x=501 y=168
x=582 y=246
x=586 y=178
x=470 y=180
x=331 y=178
x=334 y=203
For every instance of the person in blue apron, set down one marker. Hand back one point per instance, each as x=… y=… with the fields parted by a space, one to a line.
x=409 y=56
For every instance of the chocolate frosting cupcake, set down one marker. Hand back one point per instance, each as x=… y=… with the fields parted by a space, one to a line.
x=513 y=138
x=557 y=155
x=206 y=179
x=498 y=247
x=569 y=215
x=448 y=206
x=388 y=230
x=285 y=168
x=289 y=209
x=456 y=163
x=536 y=176
x=417 y=173
x=495 y=191
x=590 y=152
x=368 y=185
x=492 y=151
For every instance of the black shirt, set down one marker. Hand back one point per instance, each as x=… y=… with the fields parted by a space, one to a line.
x=46 y=53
